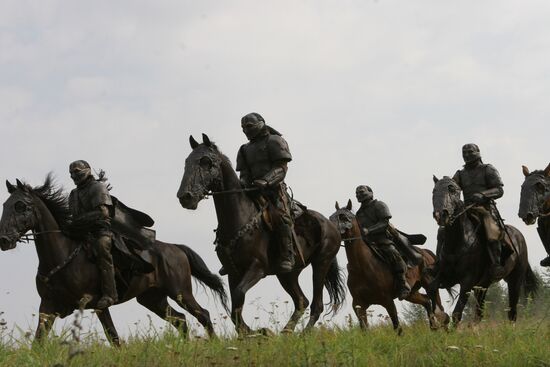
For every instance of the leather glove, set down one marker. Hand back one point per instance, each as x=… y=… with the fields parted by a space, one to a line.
x=478 y=198
x=262 y=184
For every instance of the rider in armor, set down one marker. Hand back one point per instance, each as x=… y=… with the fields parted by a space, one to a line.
x=91 y=208
x=481 y=185
x=262 y=163
x=374 y=219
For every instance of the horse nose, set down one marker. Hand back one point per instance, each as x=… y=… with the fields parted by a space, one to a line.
x=529 y=218
x=4 y=242
x=185 y=197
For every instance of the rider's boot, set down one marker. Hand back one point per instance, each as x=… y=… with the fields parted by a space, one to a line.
x=105 y=261
x=286 y=248
x=495 y=251
x=403 y=288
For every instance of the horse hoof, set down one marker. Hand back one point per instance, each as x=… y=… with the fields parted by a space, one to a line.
x=266 y=332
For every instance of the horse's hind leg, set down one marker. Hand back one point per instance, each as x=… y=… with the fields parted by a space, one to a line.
x=187 y=301
x=320 y=271
x=423 y=300
x=513 y=298
x=157 y=302
x=360 y=310
x=392 y=312
x=289 y=281
x=106 y=320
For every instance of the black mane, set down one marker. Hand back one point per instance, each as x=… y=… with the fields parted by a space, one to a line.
x=55 y=200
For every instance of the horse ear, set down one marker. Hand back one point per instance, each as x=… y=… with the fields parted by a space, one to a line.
x=547 y=170
x=19 y=184
x=336 y=206
x=525 y=170
x=193 y=142
x=436 y=179
x=350 y=205
x=206 y=140
x=10 y=187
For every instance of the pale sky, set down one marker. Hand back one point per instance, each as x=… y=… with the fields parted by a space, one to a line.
x=383 y=93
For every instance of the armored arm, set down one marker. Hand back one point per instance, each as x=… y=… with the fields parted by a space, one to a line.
x=242 y=168
x=494 y=184
x=380 y=226
x=277 y=174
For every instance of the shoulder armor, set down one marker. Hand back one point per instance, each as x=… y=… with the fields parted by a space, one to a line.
x=492 y=176
x=278 y=149
x=99 y=195
x=241 y=160
x=382 y=210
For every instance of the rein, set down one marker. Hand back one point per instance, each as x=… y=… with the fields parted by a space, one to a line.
x=456 y=216
x=235 y=191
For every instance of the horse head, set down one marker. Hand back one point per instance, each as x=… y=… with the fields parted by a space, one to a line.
x=202 y=173
x=18 y=216
x=445 y=199
x=344 y=220
x=535 y=193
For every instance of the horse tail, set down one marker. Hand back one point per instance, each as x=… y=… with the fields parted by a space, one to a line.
x=334 y=283
x=200 y=271
x=531 y=283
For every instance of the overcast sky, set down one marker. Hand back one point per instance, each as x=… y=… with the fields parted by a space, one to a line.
x=383 y=93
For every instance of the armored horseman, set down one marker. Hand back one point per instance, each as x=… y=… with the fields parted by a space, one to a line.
x=481 y=185
x=262 y=163
x=374 y=219
x=92 y=208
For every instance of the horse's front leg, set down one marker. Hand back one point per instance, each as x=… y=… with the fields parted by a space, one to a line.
x=46 y=319
x=238 y=288
x=460 y=304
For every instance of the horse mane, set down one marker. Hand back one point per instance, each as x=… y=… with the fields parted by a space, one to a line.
x=55 y=200
x=216 y=149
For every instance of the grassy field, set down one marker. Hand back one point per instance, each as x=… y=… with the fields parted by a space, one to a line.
x=489 y=343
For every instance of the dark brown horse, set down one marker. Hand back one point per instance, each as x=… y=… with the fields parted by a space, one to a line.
x=465 y=258
x=244 y=242
x=68 y=280
x=535 y=204
x=371 y=281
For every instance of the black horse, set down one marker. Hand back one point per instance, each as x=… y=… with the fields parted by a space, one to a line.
x=244 y=241
x=67 y=279
x=464 y=258
x=535 y=204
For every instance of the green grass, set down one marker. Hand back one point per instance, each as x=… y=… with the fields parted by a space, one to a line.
x=526 y=343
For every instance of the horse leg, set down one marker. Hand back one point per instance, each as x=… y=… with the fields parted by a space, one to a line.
x=513 y=298
x=157 y=302
x=392 y=312
x=460 y=304
x=46 y=319
x=423 y=300
x=320 y=270
x=106 y=320
x=290 y=284
x=190 y=304
x=479 y=293
x=361 y=313
x=238 y=290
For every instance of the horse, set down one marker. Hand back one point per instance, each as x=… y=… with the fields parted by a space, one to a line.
x=245 y=243
x=535 y=204
x=465 y=258
x=371 y=282
x=67 y=279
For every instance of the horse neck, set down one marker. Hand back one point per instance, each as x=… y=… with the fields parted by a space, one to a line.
x=356 y=249
x=454 y=234
x=233 y=210
x=52 y=247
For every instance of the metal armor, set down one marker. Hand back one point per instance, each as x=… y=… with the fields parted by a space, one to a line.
x=264 y=158
x=479 y=179
x=85 y=202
